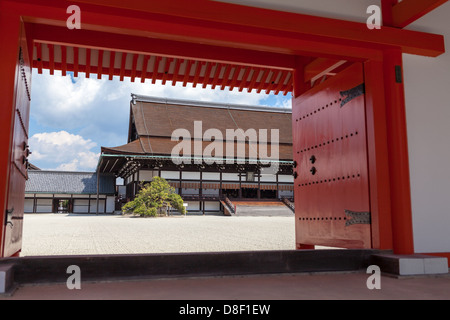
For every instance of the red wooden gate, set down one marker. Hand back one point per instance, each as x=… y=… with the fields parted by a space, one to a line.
x=332 y=205
x=19 y=153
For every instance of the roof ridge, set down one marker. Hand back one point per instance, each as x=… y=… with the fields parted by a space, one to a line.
x=194 y=103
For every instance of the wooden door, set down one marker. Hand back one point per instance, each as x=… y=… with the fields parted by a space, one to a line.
x=332 y=205
x=12 y=241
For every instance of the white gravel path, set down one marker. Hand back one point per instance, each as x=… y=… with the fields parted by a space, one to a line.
x=63 y=234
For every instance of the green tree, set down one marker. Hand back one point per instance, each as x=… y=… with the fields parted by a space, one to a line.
x=154 y=199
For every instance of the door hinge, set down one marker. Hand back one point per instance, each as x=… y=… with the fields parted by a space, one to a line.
x=352 y=93
x=354 y=217
x=9 y=217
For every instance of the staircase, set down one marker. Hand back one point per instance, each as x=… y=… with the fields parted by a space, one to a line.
x=273 y=208
x=290 y=204
x=228 y=207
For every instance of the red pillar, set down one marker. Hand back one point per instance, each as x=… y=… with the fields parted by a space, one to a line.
x=9 y=39
x=300 y=87
x=378 y=162
x=402 y=231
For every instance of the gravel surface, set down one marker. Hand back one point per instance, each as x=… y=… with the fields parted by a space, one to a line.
x=71 y=234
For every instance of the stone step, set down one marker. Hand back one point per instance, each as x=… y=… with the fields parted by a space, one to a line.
x=49 y=269
x=411 y=265
x=6 y=278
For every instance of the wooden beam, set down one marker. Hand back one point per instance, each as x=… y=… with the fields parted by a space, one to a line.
x=88 y=62
x=155 y=69
x=320 y=67
x=408 y=11
x=75 y=61
x=176 y=71
x=207 y=75
x=237 y=26
x=386 y=12
x=134 y=67
x=51 y=53
x=112 y=59
x=64 y=60
x=100 y=64
x=144 y=68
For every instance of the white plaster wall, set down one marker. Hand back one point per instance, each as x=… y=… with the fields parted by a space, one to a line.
x=211 y=176
x=191 y=175
x=268 y=178
x=28 y=205
x=170 y=174
x=193 y=206
x=285 y=178
x=230 y=176
x=147 y=175
x=110 y=204
x=427 y=88
x=209 y=205
x=101 y=206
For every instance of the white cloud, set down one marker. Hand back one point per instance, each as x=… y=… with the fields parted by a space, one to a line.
x=60 y=103
x=62 y=151
x=126 y=87
x=99 y=110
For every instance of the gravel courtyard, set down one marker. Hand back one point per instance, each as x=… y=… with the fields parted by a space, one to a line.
x=71 y=234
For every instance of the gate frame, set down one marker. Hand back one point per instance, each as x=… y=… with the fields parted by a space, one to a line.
x=249 y=28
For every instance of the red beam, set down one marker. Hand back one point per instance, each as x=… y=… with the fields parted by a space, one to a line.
x=386 y=12
x=244 y=78
x=237 y=71
x=176 y=71
x=256 y=72
x=100 y=64
x=64 y=60
x=51 y=53
x=161 y=47
x=122 y=66
x=144 y=68
x=216 y=75
x=155 y=69
x=112 y=59
x=225 y=77
x=133 y=67
x=39 y=57
x=88 y=62
x=408 y=11
x=207 y=75
x=198 y=69
x=187 y=71
x=75 y=61
x=262 y=82
x=224 y=17
x=281 y=82
x=166 y=70
x=272 y=80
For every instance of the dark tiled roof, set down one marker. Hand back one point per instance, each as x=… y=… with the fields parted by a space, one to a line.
x=154 y=121
x=42 y=181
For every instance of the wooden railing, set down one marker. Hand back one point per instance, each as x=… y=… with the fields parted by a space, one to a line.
x=228 y=206
x=289 y=204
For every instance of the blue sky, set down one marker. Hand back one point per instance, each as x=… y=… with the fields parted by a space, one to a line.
x=72 y=118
